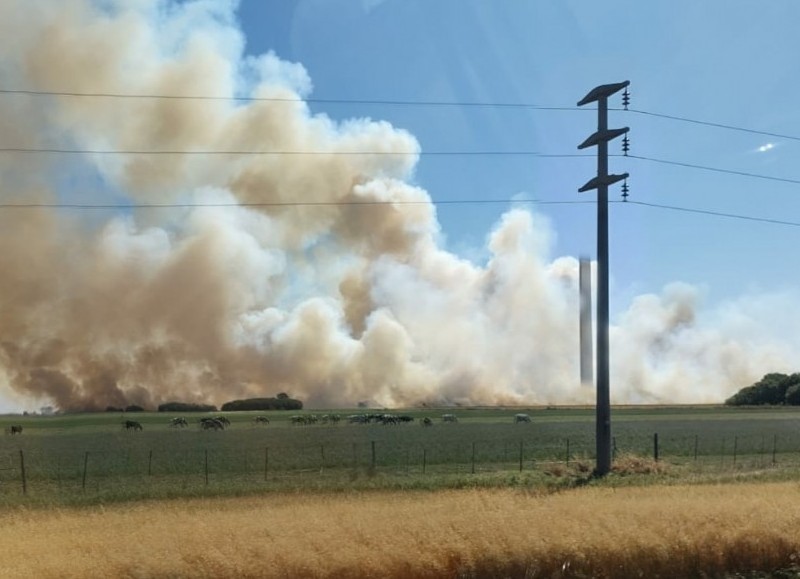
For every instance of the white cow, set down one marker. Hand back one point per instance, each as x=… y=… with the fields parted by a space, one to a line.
x=521 y=418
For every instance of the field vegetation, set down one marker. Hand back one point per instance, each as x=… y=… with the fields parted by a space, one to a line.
x=91 y=458
x=483 y=497
x=679 y=531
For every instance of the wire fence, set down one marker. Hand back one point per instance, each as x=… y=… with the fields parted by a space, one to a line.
x=27 y=471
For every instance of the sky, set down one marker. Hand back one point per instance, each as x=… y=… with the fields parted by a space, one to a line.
x=468 y=295
x=711 y=61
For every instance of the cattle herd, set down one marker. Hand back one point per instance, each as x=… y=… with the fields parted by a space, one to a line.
x=221 y=422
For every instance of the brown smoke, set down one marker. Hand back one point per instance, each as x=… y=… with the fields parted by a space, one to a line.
x=334 y=300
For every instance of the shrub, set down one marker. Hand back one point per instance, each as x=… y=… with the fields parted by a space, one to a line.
x=263 y=404
x=134 y=408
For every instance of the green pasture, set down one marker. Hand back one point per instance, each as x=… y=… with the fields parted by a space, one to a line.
x=92 y=455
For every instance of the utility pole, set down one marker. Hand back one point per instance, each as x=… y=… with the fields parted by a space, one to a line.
x=601 y=183
x=585 y=321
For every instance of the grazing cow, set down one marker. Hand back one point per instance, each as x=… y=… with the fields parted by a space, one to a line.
x=298 y=419
x=358 y=419
x=427 y=422
x=261 y=420
x=449 y=418
x=405 y=418
x=335 y=418
x=179 y=421
x=132 y=425
x=14 y=429
x=518 y=418
x=223 y=420
x=212 y=424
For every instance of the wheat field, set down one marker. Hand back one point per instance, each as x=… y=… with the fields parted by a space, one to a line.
x=655 y=531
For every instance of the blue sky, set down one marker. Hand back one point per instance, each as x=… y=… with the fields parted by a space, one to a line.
x=717 y=61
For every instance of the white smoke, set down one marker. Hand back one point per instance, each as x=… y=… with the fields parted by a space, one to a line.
x=335 y=302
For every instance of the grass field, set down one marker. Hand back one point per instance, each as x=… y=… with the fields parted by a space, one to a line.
x=681 y=531
x=91 y=458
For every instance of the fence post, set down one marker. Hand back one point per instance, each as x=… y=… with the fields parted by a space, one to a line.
x=424 y=459
x=206 y=465
x=150 y=464
x=567 y=461
x=613 y=448
x=22 y=468
x=735 y=445
x=321 y=458
x=520 y=455
x=266 y=462
x=696 y=438
x=655 y=446
x=373 y=454
x=85 y=465
x=774 y=447
x=473 y=458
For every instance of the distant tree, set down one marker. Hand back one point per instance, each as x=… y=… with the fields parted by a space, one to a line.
x=774 y=389
x=793 y=395
x=282 y=396
x=134 y=408
x=113 y=409
x=277 y=403
x=186 y=407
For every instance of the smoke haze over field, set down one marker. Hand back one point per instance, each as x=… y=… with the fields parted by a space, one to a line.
x=335 y=302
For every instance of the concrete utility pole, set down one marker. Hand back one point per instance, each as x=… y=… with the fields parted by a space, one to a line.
x=601 y=183
x=585 y=321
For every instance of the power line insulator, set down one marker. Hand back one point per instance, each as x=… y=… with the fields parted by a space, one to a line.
x=626 y=99
x=625 y=190
x=626 y=145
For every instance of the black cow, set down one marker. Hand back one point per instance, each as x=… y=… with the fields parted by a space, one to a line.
x=14 y=429
x=132 y=425
x=212 y=423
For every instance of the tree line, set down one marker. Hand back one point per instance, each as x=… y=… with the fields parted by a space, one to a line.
x=280 y=402
x=774 y=388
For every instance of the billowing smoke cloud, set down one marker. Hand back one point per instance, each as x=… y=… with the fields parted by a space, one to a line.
x=333 y=300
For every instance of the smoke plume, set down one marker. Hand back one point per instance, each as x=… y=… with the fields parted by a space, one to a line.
x=237 y=290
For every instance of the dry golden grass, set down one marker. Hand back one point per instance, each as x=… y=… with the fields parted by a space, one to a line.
x=596 y=532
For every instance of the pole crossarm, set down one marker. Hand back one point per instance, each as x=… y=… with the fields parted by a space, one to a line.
x=600 y=181
x=602 y=137
x=603 y=92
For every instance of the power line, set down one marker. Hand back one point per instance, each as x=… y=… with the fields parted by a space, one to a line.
x=284 y=204
x=714 y=213
x=266 y=153
x=132 y=206
x=519 y=153
x=388 y=102
x=713 y=169
x=286 y=100
x=715 y=125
